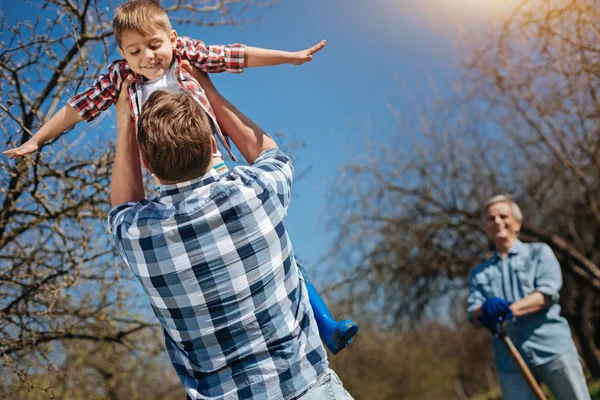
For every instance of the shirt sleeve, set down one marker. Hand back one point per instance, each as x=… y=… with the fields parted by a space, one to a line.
x=275 y=167
x=116 y=221
x=476 y=297
x=103 y=92
x=213 y=58
x=548 y=277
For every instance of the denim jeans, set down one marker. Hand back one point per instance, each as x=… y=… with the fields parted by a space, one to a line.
x=563 y=375
x=328 y=387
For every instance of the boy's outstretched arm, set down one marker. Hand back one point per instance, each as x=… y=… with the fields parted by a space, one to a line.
x=64 y=119
x=258 y=57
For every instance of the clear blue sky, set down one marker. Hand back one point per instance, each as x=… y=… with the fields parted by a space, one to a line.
x=339 y=100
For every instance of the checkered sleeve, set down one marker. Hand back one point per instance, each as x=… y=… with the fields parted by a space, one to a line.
x=103 y=92
x=212 y=58
x=275 y=167
x=117 y=220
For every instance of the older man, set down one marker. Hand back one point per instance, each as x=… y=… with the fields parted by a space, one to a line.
x=519 y=284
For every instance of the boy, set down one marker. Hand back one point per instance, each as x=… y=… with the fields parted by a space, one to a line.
x=153 y=52
x=155 y=55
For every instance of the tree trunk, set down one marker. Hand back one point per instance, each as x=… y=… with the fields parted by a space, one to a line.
x=584 y=331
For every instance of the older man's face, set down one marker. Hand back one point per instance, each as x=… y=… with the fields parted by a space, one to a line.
x=501 y=225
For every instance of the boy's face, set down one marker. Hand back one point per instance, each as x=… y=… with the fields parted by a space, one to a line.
x=149 y=56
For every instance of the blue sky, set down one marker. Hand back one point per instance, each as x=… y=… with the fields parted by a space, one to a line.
x=376 y=49
x=378 y=52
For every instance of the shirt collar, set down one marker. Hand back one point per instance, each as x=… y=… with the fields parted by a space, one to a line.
x=516 y=248
x=212 y=175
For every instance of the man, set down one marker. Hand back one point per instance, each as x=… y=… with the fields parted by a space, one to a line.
x=519 y=284
x=213 y=255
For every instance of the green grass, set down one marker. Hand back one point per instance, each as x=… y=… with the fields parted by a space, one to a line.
x=594 y=389
x=494 y=394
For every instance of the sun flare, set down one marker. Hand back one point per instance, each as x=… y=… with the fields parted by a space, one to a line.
x=467 y=11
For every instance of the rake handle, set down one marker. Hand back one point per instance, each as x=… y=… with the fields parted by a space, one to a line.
x=516 y=356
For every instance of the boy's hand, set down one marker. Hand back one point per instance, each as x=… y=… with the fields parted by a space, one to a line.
x=303 y=56
x=28 y=147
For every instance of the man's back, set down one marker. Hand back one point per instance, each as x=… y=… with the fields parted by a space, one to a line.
x=215 y=259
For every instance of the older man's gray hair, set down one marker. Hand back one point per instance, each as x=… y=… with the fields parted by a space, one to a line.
x=516 y=211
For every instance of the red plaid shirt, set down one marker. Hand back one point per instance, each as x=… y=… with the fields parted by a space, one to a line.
x=105 y=89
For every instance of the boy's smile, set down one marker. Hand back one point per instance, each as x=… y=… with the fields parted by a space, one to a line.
x=149 y=56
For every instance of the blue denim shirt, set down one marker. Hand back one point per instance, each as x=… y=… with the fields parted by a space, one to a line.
x=541 y=336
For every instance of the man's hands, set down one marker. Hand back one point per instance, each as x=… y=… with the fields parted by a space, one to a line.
x=495 y=311
x=303 y=56
x=28 y=147
x=124 y=115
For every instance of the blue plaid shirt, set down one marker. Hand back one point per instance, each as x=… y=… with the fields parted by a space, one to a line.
x=215 y=260
x=541 y=336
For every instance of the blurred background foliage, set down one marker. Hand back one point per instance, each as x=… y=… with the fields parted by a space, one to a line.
x=523 y=120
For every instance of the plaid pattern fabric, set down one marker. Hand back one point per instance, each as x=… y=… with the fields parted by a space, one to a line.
x=216 y=262
x=215 y=58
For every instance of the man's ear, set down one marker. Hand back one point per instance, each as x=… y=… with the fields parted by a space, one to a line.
x=173 y=38
x=120 y=51
x=145 y=164
x=213 y=143
x=519 y=226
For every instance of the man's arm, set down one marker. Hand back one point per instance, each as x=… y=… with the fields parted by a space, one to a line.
x=548 y=281
x=475 y=300
x=247 y=136
x=126 y=183
x=534 y=302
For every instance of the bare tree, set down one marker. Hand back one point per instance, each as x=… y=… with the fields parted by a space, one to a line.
x=528 y=125
x=541 y=75
x=59 y=280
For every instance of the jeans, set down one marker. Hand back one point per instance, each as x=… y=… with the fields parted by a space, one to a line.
x=563 y=375
x=328 y=387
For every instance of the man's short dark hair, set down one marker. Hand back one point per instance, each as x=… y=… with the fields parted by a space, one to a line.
x=174 y=136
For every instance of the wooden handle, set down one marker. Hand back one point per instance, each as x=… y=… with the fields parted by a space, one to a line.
x=516 y=356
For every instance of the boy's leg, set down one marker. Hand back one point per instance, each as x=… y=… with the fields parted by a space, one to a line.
x=564 y=376
x=335 y=335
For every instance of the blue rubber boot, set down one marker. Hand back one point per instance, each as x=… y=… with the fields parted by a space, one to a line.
x=335 y=335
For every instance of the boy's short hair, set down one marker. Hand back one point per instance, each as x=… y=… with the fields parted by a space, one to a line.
x=143 y=17
x=174 y=136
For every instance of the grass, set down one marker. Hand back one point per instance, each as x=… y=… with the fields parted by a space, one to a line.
x=594 y=389
x=593 y=386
